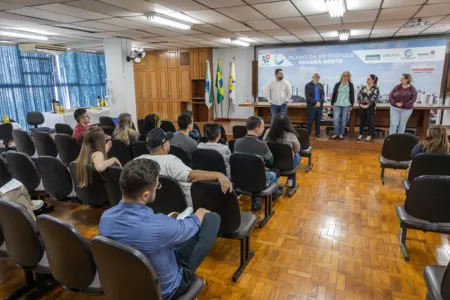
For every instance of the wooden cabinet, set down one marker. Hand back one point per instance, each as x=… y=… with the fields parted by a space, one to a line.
x=172 y=59
x=183 y=56
x=163 y=85
x=143 y=83
x=152 y=60
x=173 y=84
x=153 y=84
x=162 y=60
x=164 y=110
x=202 y=57
x=193 y=57
x=185 y=86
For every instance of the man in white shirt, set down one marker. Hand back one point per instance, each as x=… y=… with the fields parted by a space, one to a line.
x=158 y=143
x=278 y=92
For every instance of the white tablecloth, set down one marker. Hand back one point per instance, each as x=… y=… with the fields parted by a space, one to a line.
x=51 y=119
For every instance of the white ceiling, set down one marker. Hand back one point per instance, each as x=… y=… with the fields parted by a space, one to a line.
x=83 y=24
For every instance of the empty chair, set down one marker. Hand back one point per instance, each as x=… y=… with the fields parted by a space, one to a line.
x=231 y=145
x=283 y=161
x=169 y=198
x=305 y=148
x=437 y=279
x=67 y=147
x=140 y=282
x=108 y=130
x=140 y=123
x=181 y=154
x=208 y=160
x=26 y=250
x=24 y=170
x=5 y=172
x=426 y=207
x=69 y=256
x=139 y=148
x=35 y=119
x=55 y=177
x=63 y=128
x=239 y=131
x=248 y=175
x=167 y=126
x=396 y=152
x=107 y=121
x=95 y=193
x=427 y=164
x=6 y=130
x=111 y=176
x=235 y=224
x=23 y=142
x=120 y=150
x=45 y=145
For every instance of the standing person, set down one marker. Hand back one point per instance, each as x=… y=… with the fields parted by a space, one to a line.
x=435 y=142
x=342 y=102
x=150 y=122
x=181 y=138
x=278 y=92
x=366 y=100
x=315 y=96
x=124 y=130
x=402 y=98
x=82 y=117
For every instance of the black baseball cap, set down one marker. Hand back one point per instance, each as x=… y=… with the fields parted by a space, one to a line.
x=156 y=137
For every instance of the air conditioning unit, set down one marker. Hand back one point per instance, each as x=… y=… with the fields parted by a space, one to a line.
x=41 y=48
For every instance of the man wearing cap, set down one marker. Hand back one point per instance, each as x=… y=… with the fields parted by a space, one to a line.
x=158 y=143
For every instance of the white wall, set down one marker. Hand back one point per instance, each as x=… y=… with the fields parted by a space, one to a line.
x=243 y=63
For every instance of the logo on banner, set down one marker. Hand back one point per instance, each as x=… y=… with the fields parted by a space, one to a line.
x=265 y=59
x=424 y=69
x=373 y=57
x=408 y=53
x=274 y=60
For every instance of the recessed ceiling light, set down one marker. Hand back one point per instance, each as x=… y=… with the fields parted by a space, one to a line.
x=23 y=35
x=344 y=34
x=336 y=8
x=166 y=20
x=246 y=39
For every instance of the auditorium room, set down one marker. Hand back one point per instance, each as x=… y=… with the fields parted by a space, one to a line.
x=225 y=149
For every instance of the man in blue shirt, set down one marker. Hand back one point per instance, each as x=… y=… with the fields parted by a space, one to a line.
x=315 y=97
x=175 y=248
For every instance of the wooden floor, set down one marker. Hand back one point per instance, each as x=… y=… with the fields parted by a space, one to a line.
x=335 y=239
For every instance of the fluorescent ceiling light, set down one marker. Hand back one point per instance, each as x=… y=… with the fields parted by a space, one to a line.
x=23 y=35
x=246 y=39
x=166 y=20
x=6 y=42
x=33 y=30
x=239 y=42
x=336 y=8
x=344 y=35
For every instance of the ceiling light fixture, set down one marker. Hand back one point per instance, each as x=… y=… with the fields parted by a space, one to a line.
x=239 y=42
x=344 y=34
x=336 y=8
x=246 y=39
x=166 y=20
x=23 y=35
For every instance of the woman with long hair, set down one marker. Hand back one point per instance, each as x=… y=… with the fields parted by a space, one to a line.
x=436 y=141
x=342 y=101
x=93 y=152
x=282 y=131
x=124 y=130
x=150 y=122
x=402 y=98
x=366 y=100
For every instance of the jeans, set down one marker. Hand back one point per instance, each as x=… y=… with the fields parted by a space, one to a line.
x=270 y=178
x=297 y=159
x=399 y=118
x=366 y=116
x=192 y=252
x=314 y=115
x=277 y=109
x=340 y=118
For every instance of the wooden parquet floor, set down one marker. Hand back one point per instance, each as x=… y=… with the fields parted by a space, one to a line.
x=336 y=238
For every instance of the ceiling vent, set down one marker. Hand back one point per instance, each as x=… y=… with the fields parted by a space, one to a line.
x=40 y=48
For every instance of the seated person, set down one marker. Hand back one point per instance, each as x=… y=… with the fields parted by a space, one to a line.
x=93 y=151
x=194 y=132
x=283 y=132
x=158 y=143
x=213 y=135
x=250 y=144
x=13 y=190
x=436 y=141
x=124 y=130
x=150 y=122
x=82 y=117
x=181 y=138
x=175 y=248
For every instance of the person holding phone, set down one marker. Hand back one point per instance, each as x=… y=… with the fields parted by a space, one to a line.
x=278 y=93
x=366 y=100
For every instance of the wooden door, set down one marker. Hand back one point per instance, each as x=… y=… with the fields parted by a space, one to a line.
x=153 y=85
x=185 y=86
x=162 y=60
x=193 y=57
x=152 y=60
x=202 y=57
x=172 y=59
x=173 y=85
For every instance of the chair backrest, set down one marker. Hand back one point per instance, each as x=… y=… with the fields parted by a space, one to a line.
x=181 y=154
x=5 y=172
x=45 y=145
x=67 y=148
x=169 y=198
x=24 y=169
x=111 y=176
x=303 y=138
x=140 y=123
x=209 y=195
x=68 y=253
x=231 y=145
x=120 y=150
x=198 y=129
x=261 y=137
x=112 y=258
x=398 y=147
x=95 y=193
x=23 y=142
x=428 y=198
x=282 y=156
x=429 y=164
x=107 y=121
x=248 y=172
x=35 y=118
x=63 y=128
x=167 y=126
x=139 y=148
x=20 y=234
x=208 y=160
x=445 y=283
x=6 y=130
x=239 y=131
x=55 y=176
x=108 y=130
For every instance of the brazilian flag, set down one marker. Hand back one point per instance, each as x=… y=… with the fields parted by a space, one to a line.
x=219 y=83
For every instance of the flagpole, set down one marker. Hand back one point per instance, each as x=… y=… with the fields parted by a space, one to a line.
x=229 y=92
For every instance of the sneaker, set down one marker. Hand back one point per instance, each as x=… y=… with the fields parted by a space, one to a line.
x=36 y=204
x=256 y=206
x=360 y=137
x=368 y=138
x=318 y=138
x=334 y=137
x=290 y=182
x=277 y=193
x=341 y=137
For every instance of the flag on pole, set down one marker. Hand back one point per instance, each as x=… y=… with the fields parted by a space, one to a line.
x=208 y=94
x=219 y=83
x=231 y=93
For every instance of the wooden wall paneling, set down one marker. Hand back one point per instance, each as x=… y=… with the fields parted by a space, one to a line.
x=173 y=61
x=183 y=56
x=202 y=57
x=154 y=107
x=152 y=60
x=153 y=84
x=193 y=57
x=174 y=94
x=164 y=110
x=163 y=85
x=185 y=85
x=143 y=86
x=174 y=110
x=162 y=59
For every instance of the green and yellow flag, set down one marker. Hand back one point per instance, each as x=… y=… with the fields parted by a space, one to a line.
x=219 y=83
